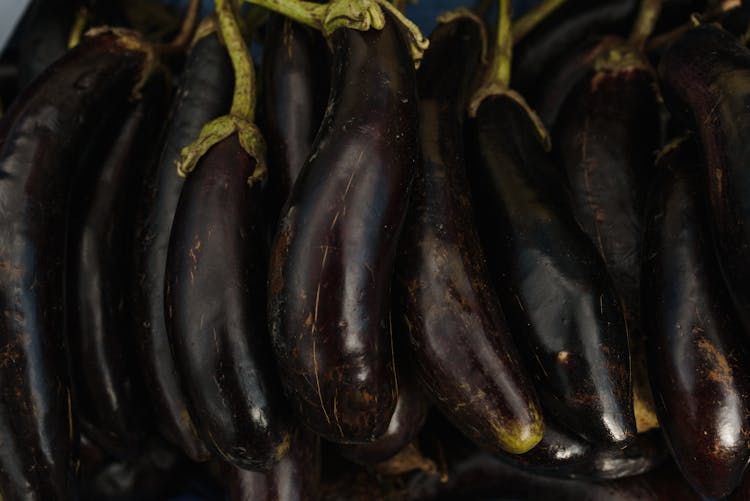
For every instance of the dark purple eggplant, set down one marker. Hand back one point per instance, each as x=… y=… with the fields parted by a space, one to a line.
x=335 y=247
x=204 y=93
x=98 y=267
x=705 y=77
x=463 y=350
x=559 y=300
x=295 y=91
x=214 y=300
x=64 y=110
x=483 y=476
x=295 y=478
x=406 y=422
x=606 y=137
x=563 y=454
x=537 y=53
x=699 y=358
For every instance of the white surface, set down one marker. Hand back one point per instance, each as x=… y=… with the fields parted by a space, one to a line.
x=10 y=14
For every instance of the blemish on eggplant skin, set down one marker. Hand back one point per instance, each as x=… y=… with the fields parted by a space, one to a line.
x=563 y=357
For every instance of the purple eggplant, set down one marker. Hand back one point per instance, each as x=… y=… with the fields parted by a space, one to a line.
x=335 y=246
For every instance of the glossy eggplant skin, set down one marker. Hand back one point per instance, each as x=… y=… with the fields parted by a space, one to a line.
x=295 y=478
x=705 y=79
x=483 y=476
x=463 y=351
x=295 y=91
x=215 y=311
x=568 y=26
x=406 y=422
x=698 y=353
x=561 y=305
x=335 y=247
x=606 y=137
x=40 y=139
x=204 y=93
x=565 y=455
x=98 y=267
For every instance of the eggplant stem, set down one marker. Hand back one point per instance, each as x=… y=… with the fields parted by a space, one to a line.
x=497 y=78
x=79 y=25
x=526 y=23
x=648 y=15
x=360 y=15
x=242 y=113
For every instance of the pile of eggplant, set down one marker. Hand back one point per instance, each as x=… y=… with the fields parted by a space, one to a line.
x=507 y=261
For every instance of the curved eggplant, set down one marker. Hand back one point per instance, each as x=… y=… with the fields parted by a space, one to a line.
x=705 y=78
x=204 y=93
x=98 y=267
x=559 y=300
x=406 y=422
x=335 y=247
x=699 y=358
x=483 y=476
x=49 y=125
x=295 y=91
x=463 y=351
x=606 y=137
x=295 y=478
x=568 y=26
x=215 y=310
x=562 y=454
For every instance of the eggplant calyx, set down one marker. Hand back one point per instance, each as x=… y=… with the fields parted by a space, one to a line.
x=360 y=15
x=132 y=41
x=499 y=91
x=464 y=13
x=216 y=131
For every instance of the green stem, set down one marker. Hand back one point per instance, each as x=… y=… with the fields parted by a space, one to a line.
x=532 y=18
x=359 y=15
x=243 y=100
x=242 y=113
x=501 y=60
x=497 y=78
x=645 y=23
x=78 y=26
x=310 y=14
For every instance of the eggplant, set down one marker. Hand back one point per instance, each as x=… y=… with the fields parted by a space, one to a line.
x=560 y=303
x=565 y=455
x=483 y=476
x=606 y=136
x=406 y=422
x=462 y=348
x=698 y=354
x=536 y=54
x=295 y=478
x=41 y=136
x=215 y=310
x=98 y=267
x=295 y=92
x=204 y=93
x=705 y=78
x=335 y=245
